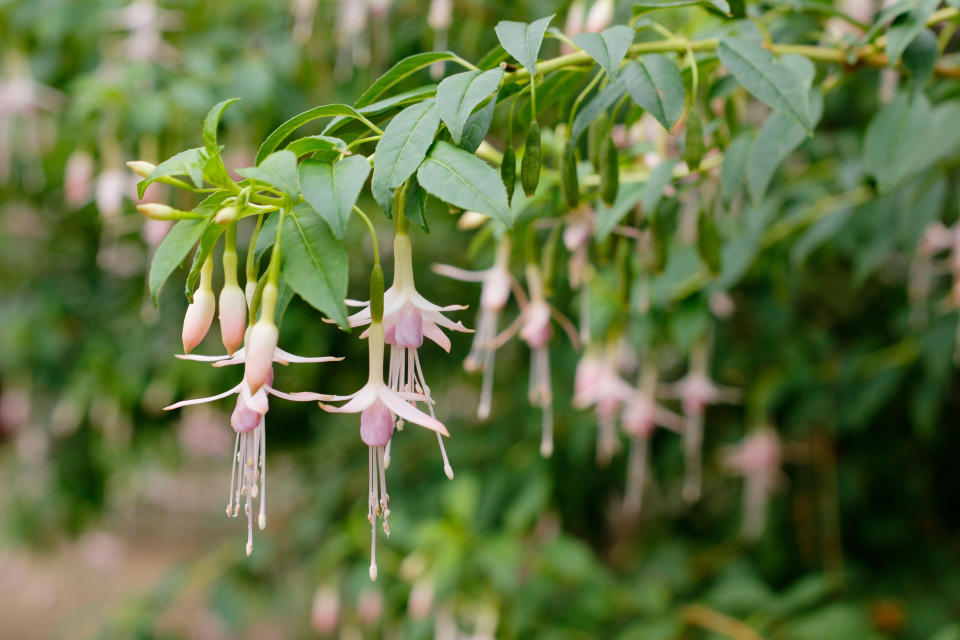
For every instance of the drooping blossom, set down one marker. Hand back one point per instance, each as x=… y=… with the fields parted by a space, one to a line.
x=494 y=293
x=408 y=317
x=576 y=238
x=248 y=470
x=641 y=416
x=599 y=16
x=78 y=178
x=325 y=610
x=199 y=315
x=597 y=383
x=695 y=391
x=145 y=23
x=379 y=407
x=757 y=458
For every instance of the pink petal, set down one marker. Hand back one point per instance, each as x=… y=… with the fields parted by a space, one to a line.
x=197 y=358
x=258 y=401
x=435 y=333
x=460 y=274
x=358 y=401
x=280 y=354
x=300 y=396
x=184 y=403
x=356 y=303
x=408 y=412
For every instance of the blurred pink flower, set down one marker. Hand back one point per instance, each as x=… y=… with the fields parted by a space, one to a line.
x=757 y=458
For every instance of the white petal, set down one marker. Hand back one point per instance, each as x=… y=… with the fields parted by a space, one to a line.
x=184 y=403
x=300 y=396
x=358 y=401
x=460 y=274
x=280 y=355
x=408 y=412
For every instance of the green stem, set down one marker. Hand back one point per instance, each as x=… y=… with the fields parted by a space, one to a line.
x=373 y=234
x=580 y=98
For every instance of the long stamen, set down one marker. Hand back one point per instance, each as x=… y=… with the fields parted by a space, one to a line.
x=636 y=474
x=233 y=474
x=249 y=494
x=692 y=440
x=384 y=497
x=489 y=355
x=262 y=520
x=421 y=380
x=370 y=514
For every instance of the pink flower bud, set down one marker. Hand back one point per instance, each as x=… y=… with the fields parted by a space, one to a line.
x=233 y=317
x=325 y=611
x=369 y=606
x=599 y=16
x=536 y=328
x=408 y=328
x=197 y=320
x=638 y=420
x=376 y=425
x=261 y=344
x=577 y=232
x=421 y=599
x=78 y=178
x=496 y=290
x=111 y=188
x=244 y=418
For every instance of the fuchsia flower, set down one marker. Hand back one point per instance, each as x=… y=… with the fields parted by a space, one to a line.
x=379 y=407
x=696 y=390
x=408 y=317
x=494 y=293
x=248 y=421
x=597 y=383
x=757 y=458
x=641 y=416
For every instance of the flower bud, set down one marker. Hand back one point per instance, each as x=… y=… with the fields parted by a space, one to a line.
x=157 y=211
x=408 y=329
x=78 y=178
x=638 y=420
x=536 y=328
x=469 y=220
x=226 y=215
x=325 y=612
x=197 y=320
x=369 y=606
x=421 y=599
x=376 y=424
x=243 y=418
x=599 y=16
x=233 y=317
x=141 y=168
x=261 y=344
x=495 y=290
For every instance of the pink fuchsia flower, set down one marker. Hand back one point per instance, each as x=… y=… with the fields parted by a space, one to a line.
x=758 y=458
x=325 y=610
x=379 y=406
x=597 y=383
x=599 y=16
x=408 y=317
x=695 y=391
x=248 y=476
x=641 y=416
x=78 y=178
x=494 y=293
x=199 y=315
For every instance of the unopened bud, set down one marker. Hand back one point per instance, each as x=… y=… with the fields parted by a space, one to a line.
x=197 y=320
x=259 y=354
x=226 y=215
x=157 y=211
x=141 y=167
x=233 y=317
x=471 y=220
x=599 y=16
x=325 y=612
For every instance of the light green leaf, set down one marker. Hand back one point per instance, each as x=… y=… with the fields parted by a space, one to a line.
x=179 y=241
x=919 y=59
x=908 y=26
x=280 y=133
x=896 y=138
x=772 y=82
x=522 y=40
x=401 y=70
x=646 y=6
x=459 y=94
x=734 y=166
x=606 y=218
x=596 y=106
x=607 y=48
x=186 y=163
x=315 y=263
x=279 y=169
x=655 y=83
x=333 y=189
x=477 y=126
x=777 y=138
x=329 y=147
x=402 y=148
x=211 y=122
x=464 y=180
x=660 y=177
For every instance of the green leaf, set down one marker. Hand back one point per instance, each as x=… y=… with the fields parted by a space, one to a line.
x=315 y=263
x=597 y=106
x=268 y=234
x=771 y=82
x=210 y=124
x=382 y=106
x=646 y=6
x=459 y=94
x=333 y=189
x=416 y=205
x=908 y=26
x=464 y=180
x=655 y=83
x=896 y=139
x=280 y=133
x=607 y=48
x=522 y=40
x=734 y=166
x=660 y=177
x=477 y=126
x=777 y=138
x=186 y=163
x=328 y=148
x=279 y=169
x=178 y=243
x=919 y=59
x=607 y=218
x=402 y=147
x=401 y=70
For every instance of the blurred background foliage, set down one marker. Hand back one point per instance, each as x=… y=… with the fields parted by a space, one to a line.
x=110 y=513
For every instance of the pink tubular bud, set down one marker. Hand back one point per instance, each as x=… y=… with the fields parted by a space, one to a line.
x=495 y=290
x=536 y=330
x=599 y=16
x=369 y=606
x=233 y=317
x=197 y=320
x=244 y=418
x=261 y=344
x=638 y=420
x=78 y=178
x=408 y=329
x=325 y=612
x=376 y=425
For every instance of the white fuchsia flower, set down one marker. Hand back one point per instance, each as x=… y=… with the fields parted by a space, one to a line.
x=597 y=383
x=758 y=458
x=695 y=391
x=379 y=407
x=641 y=416
x=494 y=293
x=408 y=317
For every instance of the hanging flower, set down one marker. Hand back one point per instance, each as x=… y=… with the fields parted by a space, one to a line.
x=494 y=293
x=757 y=458
x=379 y=407
x=598 y=384
x=408 y=317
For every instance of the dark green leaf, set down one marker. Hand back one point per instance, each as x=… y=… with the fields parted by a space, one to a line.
x=596 y=107
x=400 y=71
x=464 y=180
x=459 y=94
x=415 y=208
x=280 y=133
x=278 y=170
x=734 y=166
x=332 y=189
x=402 y=148
x=908 y=26
x=522 y=40
x=315 y=263
x=477 y=126
x=895 y=140
x=210 y=124
x=655 y=83
x=186 y=163
x=646 y=6
x=607 y=48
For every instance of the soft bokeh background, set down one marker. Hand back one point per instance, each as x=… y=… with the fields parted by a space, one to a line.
x=111 y=511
